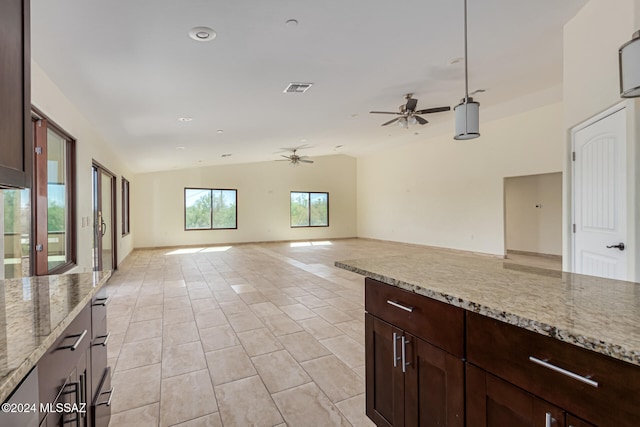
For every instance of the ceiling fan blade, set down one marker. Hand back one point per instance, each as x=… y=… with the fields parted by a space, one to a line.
x=305 y=161
x=299 y=147
x=390 y=121
x=421 y=120
x=411 y=104
x=383 y=112
x=286 y=157
x=433 y=110
x=282 y=160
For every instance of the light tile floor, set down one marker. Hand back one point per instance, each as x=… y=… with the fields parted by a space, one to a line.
x=249 y=335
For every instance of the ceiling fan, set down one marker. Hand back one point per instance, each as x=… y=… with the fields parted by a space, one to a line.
x=409 y=115
x=293 y=158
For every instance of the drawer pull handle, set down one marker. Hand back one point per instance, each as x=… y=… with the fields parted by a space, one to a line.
x=569 y=374
x=102 y=301
x=106 y=339
x=108 y=402
x=400 y=306
x=548 y=419
x=395 y=349
x=404 y=355
x=74 y=346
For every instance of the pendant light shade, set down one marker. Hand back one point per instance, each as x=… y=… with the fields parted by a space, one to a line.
x=467 y=119
x=629 y=58
x=468 y=111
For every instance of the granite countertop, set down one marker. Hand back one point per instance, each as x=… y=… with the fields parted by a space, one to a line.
x=34 y=311
x=598 y=314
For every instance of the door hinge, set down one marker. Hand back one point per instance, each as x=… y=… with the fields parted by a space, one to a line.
x=574 y=228
x=38 y=150
x=573 y=156
x=39 y=123
x=39 y=248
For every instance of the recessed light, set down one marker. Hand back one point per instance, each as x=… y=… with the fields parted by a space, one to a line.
x=219 y=131
x=456 y=60
x=185 y=119
x=179 y=148
x=202 y=34
x=354 y=115
x=226 y=155
x=478 y=91
x=339 y=146
x=291 y=23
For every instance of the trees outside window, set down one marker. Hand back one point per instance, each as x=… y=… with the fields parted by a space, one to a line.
x=210 y=209
x=309 y=209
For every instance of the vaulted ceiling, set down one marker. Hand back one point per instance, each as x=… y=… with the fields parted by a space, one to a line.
x=133 y=70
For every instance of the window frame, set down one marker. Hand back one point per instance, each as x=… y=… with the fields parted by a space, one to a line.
x=212 y=227
x=126 y=210
x=39 y=193
x=308 y=193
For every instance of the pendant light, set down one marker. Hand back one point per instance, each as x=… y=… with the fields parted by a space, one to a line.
x=468 y=111
x=629 y=61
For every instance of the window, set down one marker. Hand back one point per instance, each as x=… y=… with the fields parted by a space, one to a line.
x=53 y=185
x=125 y=207
x=309 y=209
x=210 y=209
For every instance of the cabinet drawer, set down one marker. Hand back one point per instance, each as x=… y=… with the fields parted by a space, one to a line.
x=56 y=364
x=101 y=406
x=436 y=322
x=603 y=390
x=99 y=309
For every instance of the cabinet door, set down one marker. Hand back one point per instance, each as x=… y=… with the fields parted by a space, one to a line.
x=492 y=402
x=434 y=386
x=385 y=379
x=15 y=104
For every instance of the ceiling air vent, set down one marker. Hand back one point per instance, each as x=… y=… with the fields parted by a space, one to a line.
x=297 y=87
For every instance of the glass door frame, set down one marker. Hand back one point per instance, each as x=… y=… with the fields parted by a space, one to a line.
x=97 y=171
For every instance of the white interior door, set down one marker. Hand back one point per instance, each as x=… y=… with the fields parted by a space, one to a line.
x=600 y=197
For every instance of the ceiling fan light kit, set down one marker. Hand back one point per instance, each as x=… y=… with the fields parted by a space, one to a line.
x=294 y=159
x=468 y=111
x=629 y=62
x=408 y=115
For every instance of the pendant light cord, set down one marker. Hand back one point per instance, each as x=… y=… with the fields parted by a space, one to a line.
x=466 y=66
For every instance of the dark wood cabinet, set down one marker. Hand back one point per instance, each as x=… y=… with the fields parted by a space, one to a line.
x=435 y=387
x=410 y=381
x=597 y=388
x=384 y=378
x=492 y=402
x=15 y=98
x=25 y=394
x=101 y=391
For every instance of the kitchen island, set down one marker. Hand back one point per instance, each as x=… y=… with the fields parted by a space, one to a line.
x=515 y=325
x=36 y=313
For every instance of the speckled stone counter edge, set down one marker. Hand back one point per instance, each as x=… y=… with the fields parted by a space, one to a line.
x=11 y=381
x=590 y=343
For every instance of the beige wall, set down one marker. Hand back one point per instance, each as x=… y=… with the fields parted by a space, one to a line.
x=90 y=146
x=591 y=85
x=447 y=193
x=263 y=201
x=533 y=213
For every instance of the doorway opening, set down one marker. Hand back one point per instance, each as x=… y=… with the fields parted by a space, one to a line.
x=533 y=220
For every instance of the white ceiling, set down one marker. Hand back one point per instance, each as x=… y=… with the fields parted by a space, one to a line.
x=132 y=69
